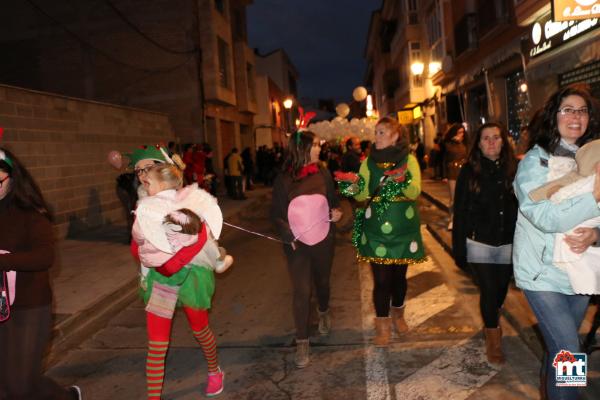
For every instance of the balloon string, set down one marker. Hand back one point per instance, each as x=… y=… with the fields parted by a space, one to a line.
x=256 y=233
x=275 y=239
x=310 y=227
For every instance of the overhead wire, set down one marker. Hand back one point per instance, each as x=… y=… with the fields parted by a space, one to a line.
x=144 y=35
x=100 y=51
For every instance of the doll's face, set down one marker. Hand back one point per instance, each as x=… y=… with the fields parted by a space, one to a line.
x=154 y=183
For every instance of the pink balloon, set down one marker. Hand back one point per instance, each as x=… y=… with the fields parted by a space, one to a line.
x=115 y=159
x=308 y=216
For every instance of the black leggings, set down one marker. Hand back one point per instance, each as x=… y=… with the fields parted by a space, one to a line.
x=308 y=264
x=493 y=280
x=389 y=283
x=24 y=339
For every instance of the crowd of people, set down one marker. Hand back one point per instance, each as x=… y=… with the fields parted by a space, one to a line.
x=500 y=224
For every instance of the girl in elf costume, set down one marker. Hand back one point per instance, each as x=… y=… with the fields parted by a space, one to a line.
x=178 y=281
x=304 y=205
x=387 y=231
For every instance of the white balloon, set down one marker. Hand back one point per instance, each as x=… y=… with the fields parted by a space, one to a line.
x=359 y=93
x=342 y=110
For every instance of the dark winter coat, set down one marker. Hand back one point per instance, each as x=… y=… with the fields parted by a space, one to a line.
x=488 y=216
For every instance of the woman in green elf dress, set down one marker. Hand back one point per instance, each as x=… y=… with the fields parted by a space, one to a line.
x=387 y=230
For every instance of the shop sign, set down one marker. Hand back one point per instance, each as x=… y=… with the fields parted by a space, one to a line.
x=547 y=34
x=568 y=10
x=405 y=117
x=417 y=112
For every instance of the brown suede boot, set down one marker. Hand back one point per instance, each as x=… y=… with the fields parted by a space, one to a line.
x=382 y=331
x=302 y=353
x=324 y=322
x=493 y=345
x=398 y=318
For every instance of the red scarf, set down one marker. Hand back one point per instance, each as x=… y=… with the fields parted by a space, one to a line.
x=308 y=170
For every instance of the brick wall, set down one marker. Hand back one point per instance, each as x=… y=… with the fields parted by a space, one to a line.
x=64 y=143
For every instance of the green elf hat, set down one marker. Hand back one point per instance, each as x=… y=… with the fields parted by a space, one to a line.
x=147 y=152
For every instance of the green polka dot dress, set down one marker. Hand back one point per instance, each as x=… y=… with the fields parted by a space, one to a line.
x=392 y=233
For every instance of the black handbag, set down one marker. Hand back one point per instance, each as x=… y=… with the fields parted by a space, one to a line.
x=4 y=298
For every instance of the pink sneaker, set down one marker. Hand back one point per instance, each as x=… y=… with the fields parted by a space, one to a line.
x=214 y=386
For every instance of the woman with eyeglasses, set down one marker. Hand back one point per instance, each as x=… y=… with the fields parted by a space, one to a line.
x=569 y=119
x=27 y=249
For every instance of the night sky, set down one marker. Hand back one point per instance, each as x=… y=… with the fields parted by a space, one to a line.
x=325 y=40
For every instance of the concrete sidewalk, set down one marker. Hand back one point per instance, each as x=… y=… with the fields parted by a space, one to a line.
x=516 y=308
x=95 y=276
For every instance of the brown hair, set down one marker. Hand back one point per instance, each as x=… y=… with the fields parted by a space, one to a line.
x=396 y=127
x=507 y=158
x=191 y=227
x=298 y=154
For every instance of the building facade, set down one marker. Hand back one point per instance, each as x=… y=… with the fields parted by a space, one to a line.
x=186 y=58
x=437 y=62
x=276 y=81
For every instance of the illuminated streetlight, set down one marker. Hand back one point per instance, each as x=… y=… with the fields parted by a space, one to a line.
x=417 y=68
x=434 y=67
x=287 y=103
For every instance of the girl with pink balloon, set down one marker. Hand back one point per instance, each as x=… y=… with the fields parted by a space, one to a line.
x=304 y=206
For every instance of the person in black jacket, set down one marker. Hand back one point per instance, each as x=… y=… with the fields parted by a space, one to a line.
x=485 y=213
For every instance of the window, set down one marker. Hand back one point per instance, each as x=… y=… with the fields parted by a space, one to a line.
x=220 y=6
x=412 y=12
x=224 y=76
x=434 y=34
x=251 y=83
x=415 y=56
x=238 y=27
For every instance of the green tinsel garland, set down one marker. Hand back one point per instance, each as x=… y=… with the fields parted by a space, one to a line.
x=350 y=189
x=359 y=221
x=390 y=190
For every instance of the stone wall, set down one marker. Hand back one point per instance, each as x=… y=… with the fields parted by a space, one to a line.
x=64 y=143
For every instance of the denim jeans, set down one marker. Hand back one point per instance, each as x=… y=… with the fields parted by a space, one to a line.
x=481 y=253
x=559 y=317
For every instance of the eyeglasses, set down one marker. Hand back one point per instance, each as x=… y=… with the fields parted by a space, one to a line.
x=3 y=180
x=574 y=111
x=143 y=171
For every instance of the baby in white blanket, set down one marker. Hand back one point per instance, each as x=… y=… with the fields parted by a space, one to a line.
x=567 y=178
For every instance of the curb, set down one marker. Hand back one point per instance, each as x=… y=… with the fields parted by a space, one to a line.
x=514 y=311
x=76 y=328
x=439 y=204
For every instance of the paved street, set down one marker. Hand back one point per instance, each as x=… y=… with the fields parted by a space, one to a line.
x=441 y=356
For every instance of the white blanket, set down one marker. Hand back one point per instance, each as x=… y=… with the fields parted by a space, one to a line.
x=584 y=268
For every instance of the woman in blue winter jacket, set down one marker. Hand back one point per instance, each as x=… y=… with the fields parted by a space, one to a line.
x=569 y=119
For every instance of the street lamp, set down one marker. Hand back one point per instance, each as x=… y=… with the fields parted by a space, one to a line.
x=417 y=68
x=287 y=105
x=434 y=67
